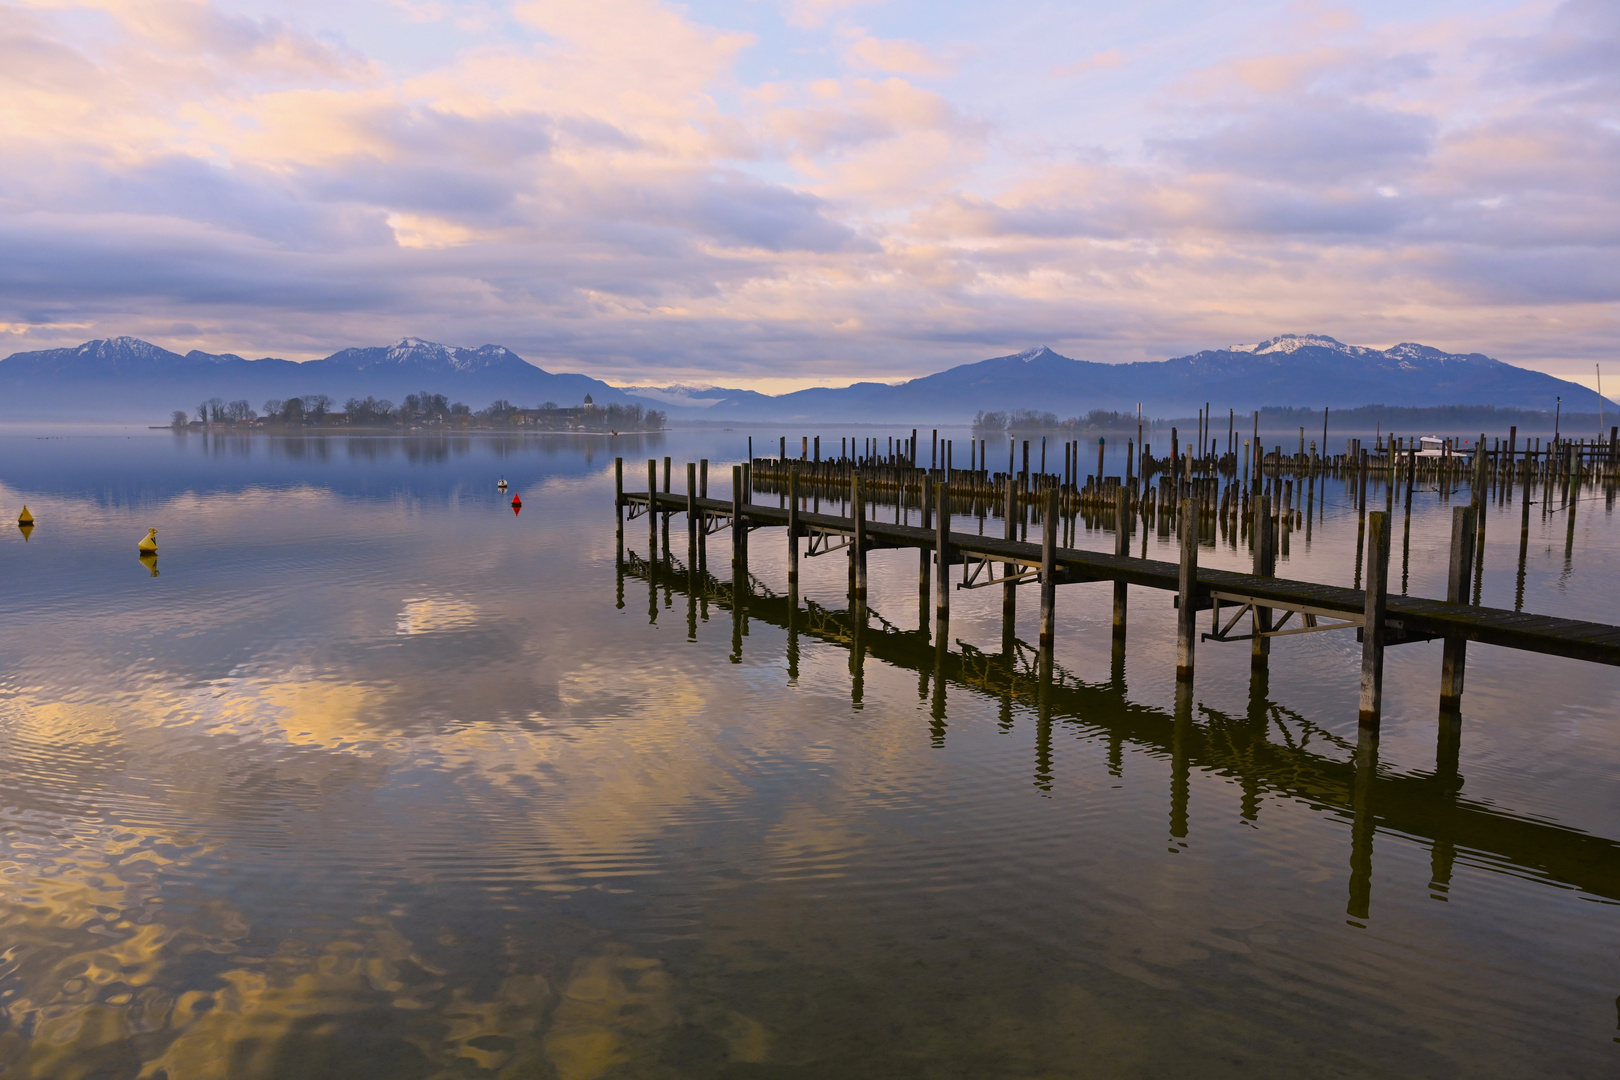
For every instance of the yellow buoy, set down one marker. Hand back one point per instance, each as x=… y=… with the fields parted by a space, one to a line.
x=148 y=545
x=25 y=518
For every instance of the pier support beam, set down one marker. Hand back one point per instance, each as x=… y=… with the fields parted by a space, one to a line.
x=1049 y=527
x=1187 y=609
x=942 y=554
x=1122 y=546
x=1454 y=661
x=1373 y=611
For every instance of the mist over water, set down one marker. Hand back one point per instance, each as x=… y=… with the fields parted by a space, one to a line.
x=376 y=778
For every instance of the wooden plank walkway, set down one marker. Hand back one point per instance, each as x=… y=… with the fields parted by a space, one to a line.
x=1574 y=639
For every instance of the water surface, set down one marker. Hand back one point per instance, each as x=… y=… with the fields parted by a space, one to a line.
x=375 y=778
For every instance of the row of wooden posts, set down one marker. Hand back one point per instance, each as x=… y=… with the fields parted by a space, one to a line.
x=1200 y=501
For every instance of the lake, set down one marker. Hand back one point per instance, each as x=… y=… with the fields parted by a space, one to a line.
x=376 y=778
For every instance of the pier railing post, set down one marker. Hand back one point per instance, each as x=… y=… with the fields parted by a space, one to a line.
x=1372 y=623
x=1454 y=661
x=1122 y=546
x=1265 y=565
x=1187 y=609
x=1049 y=526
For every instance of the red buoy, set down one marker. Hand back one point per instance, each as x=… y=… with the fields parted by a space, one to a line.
x=517 y=504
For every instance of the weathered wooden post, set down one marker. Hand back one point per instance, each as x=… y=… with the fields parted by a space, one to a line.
x=1009 y=591
x=1122 y=546
x=857 y=551
x=1372 y=623
x=793 y=529
x=1454 y=661
x=738 y=529
x=691 y=509
x=1187 y=610
x=925 y=558
x=942 y=554
x=652 y=509
x=1049 y=526
x=618 y=510
x=1265 y=565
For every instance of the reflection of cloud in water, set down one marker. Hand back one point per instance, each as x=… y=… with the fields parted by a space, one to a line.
x=427 y=614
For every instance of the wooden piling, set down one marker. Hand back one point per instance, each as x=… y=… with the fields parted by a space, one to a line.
x=1187 y=610
x=1264 y=531
x=793 y=529
x=1453 y=662
x=738 y=528
x=942 y=555
x=857 y=551
x=652 y=516
x=692 y=518
x=1009 y=591
x=1049 y=525
x=1122 y=546
x=1372 y=624
x=924 y=556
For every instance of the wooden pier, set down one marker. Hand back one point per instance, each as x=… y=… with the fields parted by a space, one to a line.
x=1255 y=607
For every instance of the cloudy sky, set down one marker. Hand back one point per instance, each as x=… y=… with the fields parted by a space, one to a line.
x=770 y=193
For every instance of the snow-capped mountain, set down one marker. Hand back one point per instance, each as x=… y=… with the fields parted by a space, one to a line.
x=130 y=378
x=126 y=377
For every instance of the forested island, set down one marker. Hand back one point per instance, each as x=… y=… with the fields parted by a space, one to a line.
x=423 y=411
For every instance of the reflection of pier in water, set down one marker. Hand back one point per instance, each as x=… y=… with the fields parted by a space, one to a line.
x=1426 y=807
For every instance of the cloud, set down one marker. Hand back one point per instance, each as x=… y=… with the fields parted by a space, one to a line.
x=616 y=186
x=1099 y=61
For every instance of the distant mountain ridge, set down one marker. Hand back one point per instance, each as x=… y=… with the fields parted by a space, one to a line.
x=127 y=378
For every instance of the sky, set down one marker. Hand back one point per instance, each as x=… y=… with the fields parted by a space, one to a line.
x=779 y=193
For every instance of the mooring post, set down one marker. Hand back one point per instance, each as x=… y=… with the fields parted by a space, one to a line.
x=942 y=553
x=738 y=529
x=1049 y=527
x=1372 y=622
x=793 y=529
x=858 y=549
x=618 y=513
x=691 y=509
x=1265 y=565
x=1454 y=661
x=925 y=558
x=652 y=509
x=1009 y=591
x=1122 y=546
x=1187 y=609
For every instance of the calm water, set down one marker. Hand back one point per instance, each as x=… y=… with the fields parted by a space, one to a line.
x=376 y=779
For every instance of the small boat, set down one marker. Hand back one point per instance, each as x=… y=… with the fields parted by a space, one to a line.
x=1432 y=446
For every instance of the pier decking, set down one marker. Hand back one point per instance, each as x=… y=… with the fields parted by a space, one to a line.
x=1194 y=505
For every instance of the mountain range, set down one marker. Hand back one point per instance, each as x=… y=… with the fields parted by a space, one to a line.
x=129 y=379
